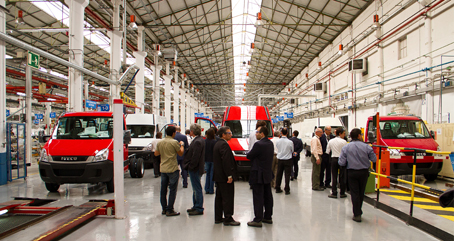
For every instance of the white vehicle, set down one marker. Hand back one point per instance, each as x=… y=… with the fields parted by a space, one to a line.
x=308 y=126
x=143 y=129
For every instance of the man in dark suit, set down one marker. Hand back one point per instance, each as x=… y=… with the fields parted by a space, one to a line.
x=225 y=172
x=184 y=173
x=297 y=149
x=260 y=178
x=325 y=165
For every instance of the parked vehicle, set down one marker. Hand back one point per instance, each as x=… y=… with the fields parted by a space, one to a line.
x=81 y=151
x=308 y=126
x=410 y=132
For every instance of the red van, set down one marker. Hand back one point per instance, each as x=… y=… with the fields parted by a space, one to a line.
x=242 y=121
x=410 y=132
x=80 y=151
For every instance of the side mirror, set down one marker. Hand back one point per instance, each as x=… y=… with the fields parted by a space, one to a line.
x=127 y=137
x=371 y=136
x=432 y=133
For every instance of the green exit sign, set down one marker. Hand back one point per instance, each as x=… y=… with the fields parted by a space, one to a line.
x=33 y=60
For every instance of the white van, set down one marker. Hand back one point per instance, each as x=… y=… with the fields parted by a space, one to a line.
x=308 y=126
x=143 y=129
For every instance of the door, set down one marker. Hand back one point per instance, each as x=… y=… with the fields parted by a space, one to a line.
x=205 y=124
x=163 y=129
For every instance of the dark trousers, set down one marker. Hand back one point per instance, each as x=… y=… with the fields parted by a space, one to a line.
x=325 y=168
x=209 y=183
x=184 y=174
x=335 y=170
x=157 y=165
x=262 y=198
x=295 y=168
x=224 y=201
x=357 y=180
x=169 y=180
x=284 y=165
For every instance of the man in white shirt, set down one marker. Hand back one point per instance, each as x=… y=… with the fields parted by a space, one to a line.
x=252 y=137
x=285 y=161
x=335 y=145
x=276 y=137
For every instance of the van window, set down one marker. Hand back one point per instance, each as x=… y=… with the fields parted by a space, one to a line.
x=243 y=128
x=141 y=131
x=402 y=129
x=84 y=127
x=205 y=124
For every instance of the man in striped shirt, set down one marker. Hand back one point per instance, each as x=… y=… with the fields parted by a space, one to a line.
x=316 y=154
x=335 y=145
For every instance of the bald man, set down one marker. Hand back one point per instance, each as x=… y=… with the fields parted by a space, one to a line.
x=316 y=154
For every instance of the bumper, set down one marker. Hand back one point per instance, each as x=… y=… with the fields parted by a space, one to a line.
x=93 y=172
x=243 y=165
x=397 y=167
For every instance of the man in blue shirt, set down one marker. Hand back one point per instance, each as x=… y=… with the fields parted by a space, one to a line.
x=357 y=156
x=184 y=173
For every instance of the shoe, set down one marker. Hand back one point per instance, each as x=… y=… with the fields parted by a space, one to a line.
x=195 y=212
x=278 y=190
x=269 y=221
x=343 y=196
x=328 y=186
x=318 y=189
x=156 y=176
x=332 y=196
x=218 y=221
x=232 y=223
x=163 y=212
x=287 y=192
x=190 y=210
x=185 y=186
x=172 y=213
x=357 y=219
x=291 y=179
x=254 y=224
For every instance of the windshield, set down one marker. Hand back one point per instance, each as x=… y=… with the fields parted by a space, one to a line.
x=141 y=131
x=84 y=127
x=402 y=129
x=243 y=128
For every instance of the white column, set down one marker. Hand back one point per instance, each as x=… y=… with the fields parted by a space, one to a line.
x=140 y=62
x=167 y=94
x=28 y=113
x=157 y=87
x=118 y=158
x=188 y=109
x=115 y=51
x=381 y=77
x=193 y=109
x=86 y=93
x=76 y=52
x=2 y=85
x=428 y=62
x=176 y=98
x=47 y=117
x=183 y=109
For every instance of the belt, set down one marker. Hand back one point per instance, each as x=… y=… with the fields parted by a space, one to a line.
x=284 y=159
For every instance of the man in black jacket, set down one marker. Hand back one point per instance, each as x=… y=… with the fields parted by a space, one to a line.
x=297 y=149
x=225 y=172
x=261 y=157
x=325 y=165
x=194 y=162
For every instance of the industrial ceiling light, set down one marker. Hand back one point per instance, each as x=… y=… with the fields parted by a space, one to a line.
x=19 y=19
x=259 y=21
x=376 y=23
x=341 y=49
x=132 y=24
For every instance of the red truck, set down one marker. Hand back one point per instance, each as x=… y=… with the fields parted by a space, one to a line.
x=410 y=132
x=242 y=121
x=81 y=151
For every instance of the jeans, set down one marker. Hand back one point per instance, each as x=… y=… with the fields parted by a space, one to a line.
x=184 y=174
x=209 y=183
x=169 y=180
x=197 y=194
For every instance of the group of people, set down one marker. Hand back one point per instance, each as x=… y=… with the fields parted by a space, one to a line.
x=271 y=160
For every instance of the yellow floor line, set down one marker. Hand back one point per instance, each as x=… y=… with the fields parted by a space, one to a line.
x=428 y=207
x=416 y=199
x=448 y=217
x=394 y=191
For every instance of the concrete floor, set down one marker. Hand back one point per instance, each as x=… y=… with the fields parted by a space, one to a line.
x=302 y=215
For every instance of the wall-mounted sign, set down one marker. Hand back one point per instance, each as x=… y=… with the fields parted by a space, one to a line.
x=33 y=60
x=7 y=113
x=53 y=115
x=90 y=104
x=103 y=107
x=39 y=116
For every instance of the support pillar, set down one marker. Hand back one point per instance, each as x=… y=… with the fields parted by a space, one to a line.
x=76 y=53
x=115 y=52
x=47 y=118
x=167 y=94
x=429 y=96
x=188 y=109
x=118 y=156
x=2 y=87
x=183 y=108
x=381 y=77
x=140 y=62
x=157 y=87
x=86 y=93
x=28 y=114
x=176 y=98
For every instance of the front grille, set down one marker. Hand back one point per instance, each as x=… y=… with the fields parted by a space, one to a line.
x=240 y=152
x=70 y=158
x=135 y=148
x=410 y=153
x=68 y=172
x=420 y=165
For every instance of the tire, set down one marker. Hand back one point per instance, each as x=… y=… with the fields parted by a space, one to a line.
x=52 y=187
x=431 y=177
x=110 y=186
x=132 y=167
x=140 y=168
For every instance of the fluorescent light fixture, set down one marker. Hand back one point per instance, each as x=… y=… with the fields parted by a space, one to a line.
x=20 y=94
x=51 y=99
x=8 y=57
x=3 y=211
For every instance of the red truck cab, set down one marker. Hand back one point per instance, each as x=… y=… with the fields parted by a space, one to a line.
x=81 y=151
x=409 y=132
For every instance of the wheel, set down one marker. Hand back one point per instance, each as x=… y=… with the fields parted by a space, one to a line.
x=140 y=168
x=110 y=185
x=132 y=167
x=431 y=177
x=52 y=187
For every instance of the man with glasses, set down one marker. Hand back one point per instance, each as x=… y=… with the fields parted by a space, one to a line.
x=225 y=173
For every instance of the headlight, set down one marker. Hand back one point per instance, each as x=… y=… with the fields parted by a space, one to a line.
x=394 y=152
x=101 y=155
x=147 y=148
x=44 y=157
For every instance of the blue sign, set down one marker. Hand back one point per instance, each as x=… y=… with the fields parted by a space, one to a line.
x=288 y=115
x=36 y=121
x=274 y=120
x=280 y=118
x=452 y=160
x=39 y=116
x=7 y=113
x=103 y=107
x=90 y=104
x=171 y=120
x=53 y=115
x=198 y=114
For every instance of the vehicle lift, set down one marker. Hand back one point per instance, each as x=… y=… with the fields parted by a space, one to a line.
x=26 y=216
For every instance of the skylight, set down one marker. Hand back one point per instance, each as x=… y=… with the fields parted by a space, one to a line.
x=243 y=12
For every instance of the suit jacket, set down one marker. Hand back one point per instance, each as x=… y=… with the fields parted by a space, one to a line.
x=223 y=162
x=194 y=160
x=324 y=141
x=261 y=157
x=180 y=137
x=297 y=147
